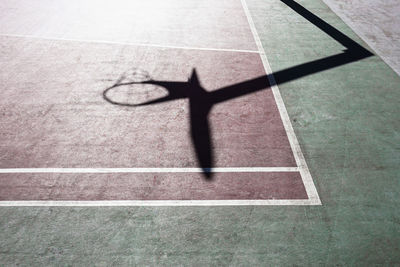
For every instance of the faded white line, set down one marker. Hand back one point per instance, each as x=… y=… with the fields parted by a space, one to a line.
x=160 y=203
x=294 y=144
x=132 y=44
x=147 y=170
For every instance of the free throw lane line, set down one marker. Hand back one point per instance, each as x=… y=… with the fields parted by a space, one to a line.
x=147 y=170
x=131 y=43
x=294 y=144
x=119 y=203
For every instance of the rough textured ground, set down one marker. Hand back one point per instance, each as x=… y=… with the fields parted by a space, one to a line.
x=377 y=22
x=347 y=122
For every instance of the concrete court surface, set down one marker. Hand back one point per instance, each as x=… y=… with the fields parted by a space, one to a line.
x=377 y=22
x=344 y=112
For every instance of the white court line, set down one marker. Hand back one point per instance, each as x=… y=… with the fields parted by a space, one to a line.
x=159 y=203
x=147 y=170
x=132 y=44
x=294 y=144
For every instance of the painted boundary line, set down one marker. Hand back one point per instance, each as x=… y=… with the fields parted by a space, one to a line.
x=132 y=44
x=152 y=203
x=294 y=144
x=148 y=170
x=155 y=203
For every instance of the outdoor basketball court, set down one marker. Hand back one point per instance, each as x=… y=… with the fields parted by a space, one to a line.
x=72 y=132
x=179 y=103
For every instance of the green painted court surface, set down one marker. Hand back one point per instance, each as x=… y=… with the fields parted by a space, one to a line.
x=345 y=114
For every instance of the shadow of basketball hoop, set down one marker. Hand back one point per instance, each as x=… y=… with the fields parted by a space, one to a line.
x=138 y=89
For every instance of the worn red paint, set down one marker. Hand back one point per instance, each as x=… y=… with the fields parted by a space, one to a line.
x=59 y=119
